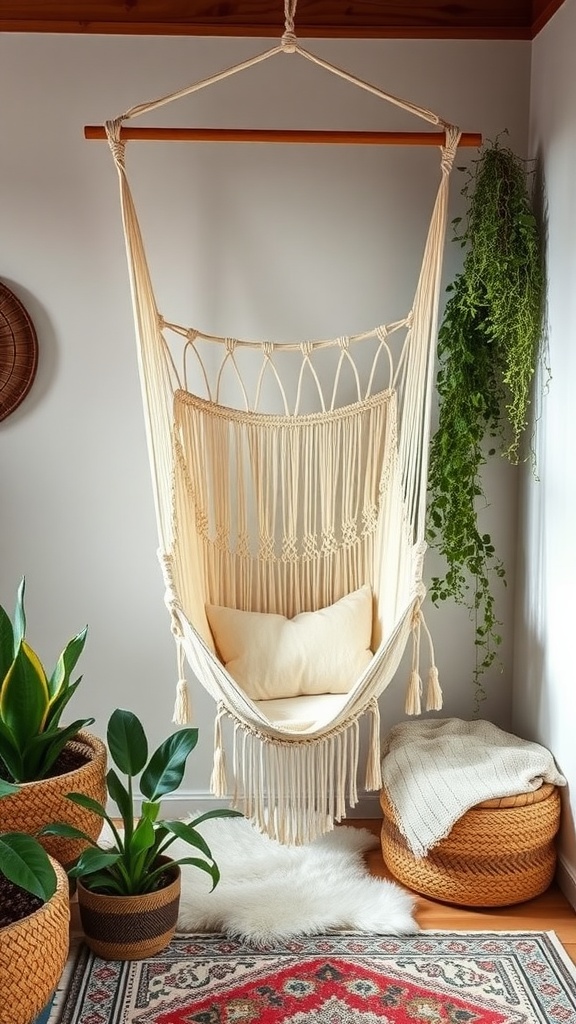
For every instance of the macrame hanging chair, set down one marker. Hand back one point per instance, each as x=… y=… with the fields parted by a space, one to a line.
x=286 y=512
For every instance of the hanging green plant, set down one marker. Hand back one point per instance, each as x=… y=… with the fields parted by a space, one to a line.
x=489 y=344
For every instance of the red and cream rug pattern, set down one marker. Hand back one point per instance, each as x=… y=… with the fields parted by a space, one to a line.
x=431 y=978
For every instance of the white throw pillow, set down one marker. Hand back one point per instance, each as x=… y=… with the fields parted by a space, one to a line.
x=271 y=656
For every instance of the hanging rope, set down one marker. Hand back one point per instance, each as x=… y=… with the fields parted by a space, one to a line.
x=289 y=41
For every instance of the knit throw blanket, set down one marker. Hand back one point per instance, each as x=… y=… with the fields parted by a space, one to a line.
x=434 y=771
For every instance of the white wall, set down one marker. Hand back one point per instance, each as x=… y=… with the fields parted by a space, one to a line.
x=275 y=241
x=543 y=690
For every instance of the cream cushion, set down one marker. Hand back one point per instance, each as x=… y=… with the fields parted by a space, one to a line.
x=273 y=657
x=303 y=714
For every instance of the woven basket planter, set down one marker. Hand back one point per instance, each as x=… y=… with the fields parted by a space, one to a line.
x=33 y=954
x=499 y=853
x=130 y=927
x=44 y=802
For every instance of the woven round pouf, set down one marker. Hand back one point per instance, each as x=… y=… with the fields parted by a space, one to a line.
x=499 y=853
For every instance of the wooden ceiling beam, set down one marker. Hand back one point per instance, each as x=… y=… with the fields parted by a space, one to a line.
x=431 y=19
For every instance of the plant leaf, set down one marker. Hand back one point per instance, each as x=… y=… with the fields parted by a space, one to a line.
x=210 y=869
x=24 y=697
x=121 y=798
x=220 y=813
x=184 y=831
x=91 y=860
x=19 y=616
x=101 y=881
x=58 y=704
x=60 y=828
x=43 y=750
x=66 y=664
x=150 y=810
x=25 y=863
x=88 y=803
x=143 y=837
x=6 y=788
x=165 y=770
x=127 y=742
x=10 y=753
x=6 y=645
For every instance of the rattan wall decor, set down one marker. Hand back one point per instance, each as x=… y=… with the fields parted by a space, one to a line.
x=18 y=352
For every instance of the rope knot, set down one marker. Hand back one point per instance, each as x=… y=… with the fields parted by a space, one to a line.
x=449 y=148
x=416 y=618
x=191 y=335
x=117 y=147
x=268 y=348
x=306 y=348
x=289 y=41
x=230 y=345
x=344 y=342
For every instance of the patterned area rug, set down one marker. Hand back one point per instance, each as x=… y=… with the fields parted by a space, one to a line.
x=432 y=978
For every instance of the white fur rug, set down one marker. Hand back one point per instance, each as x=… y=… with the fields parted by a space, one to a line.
x=270 y=892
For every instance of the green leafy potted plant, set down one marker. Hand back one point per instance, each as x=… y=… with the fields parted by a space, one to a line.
x=34 y=923
x=43 y=757
x=489 y=347
x=129 y=893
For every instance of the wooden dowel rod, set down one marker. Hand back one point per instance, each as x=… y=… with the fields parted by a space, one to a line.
x=345 y=138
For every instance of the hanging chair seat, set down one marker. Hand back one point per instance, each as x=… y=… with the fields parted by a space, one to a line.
x=301 y=715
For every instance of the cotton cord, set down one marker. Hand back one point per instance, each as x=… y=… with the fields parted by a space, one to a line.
x=413 y=705
x=289 y=41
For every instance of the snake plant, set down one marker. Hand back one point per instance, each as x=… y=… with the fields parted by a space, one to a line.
x=32 y=702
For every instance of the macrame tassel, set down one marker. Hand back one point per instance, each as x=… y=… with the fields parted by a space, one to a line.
x=218 y=781
x=373 y=764
x=434 y=693
x=413 y=704
x=182 y=705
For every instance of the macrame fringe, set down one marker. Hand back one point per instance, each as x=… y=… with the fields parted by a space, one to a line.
x=295 y=791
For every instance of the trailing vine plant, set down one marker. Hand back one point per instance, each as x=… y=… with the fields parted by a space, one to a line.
x=489 y=343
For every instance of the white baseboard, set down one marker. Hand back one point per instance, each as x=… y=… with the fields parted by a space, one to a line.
x=178 y=805
x=566 y=878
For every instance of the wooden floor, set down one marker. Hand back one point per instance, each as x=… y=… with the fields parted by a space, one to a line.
x=549 y=912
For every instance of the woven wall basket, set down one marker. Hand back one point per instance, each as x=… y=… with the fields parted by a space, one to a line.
x=18 y=352
x=130 y=927
x=44 y=802
x=499 y=853
x=33 y=954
